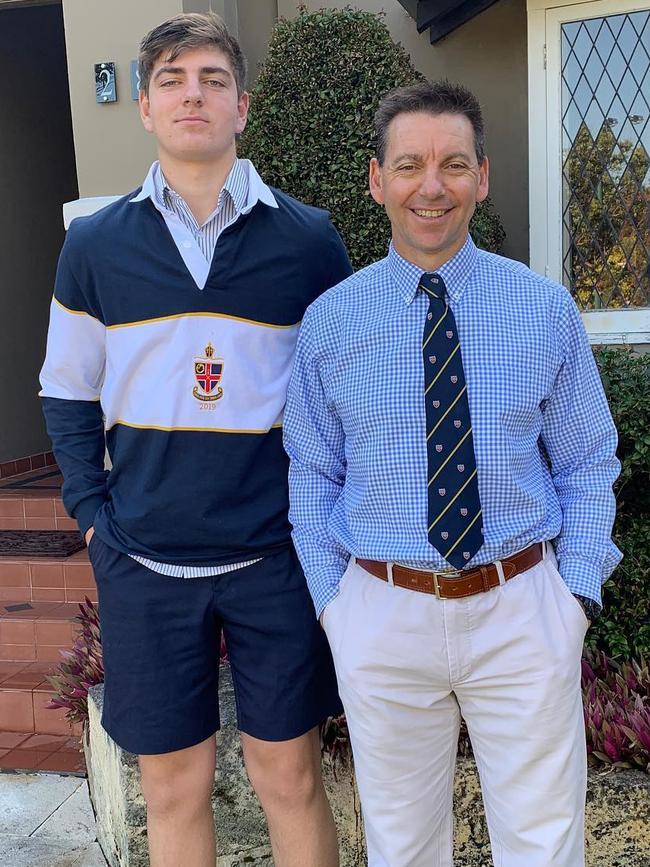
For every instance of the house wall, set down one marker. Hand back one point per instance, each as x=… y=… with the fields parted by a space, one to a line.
x=488 y=55
x=113 y=150
x=37 y=174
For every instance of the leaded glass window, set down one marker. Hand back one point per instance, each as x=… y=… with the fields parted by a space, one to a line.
x=605 y=98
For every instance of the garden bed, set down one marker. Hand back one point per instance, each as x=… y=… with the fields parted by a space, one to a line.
x=618 y=806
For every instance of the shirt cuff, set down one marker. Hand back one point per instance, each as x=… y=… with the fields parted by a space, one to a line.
x=582 y=576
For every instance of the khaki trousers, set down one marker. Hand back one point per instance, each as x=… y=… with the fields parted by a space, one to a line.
x=409 y=665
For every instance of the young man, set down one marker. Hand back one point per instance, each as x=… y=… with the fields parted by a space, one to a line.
x=446 y=424
x=173 y=327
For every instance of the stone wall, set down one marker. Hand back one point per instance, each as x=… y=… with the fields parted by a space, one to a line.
x=618 y=806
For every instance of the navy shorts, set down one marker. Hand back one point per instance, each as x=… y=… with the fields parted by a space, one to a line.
x=161 y=640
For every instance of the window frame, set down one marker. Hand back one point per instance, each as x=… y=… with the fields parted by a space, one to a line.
x=545 y=18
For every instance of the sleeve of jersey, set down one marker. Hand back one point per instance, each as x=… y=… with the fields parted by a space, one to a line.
x=339 y=263
x=71 y=380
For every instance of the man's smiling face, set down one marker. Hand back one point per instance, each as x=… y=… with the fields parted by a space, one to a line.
x=429 y=183
x=193 y=107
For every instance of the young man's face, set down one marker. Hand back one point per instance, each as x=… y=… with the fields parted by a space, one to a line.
x=429 y=184
x=192 y=106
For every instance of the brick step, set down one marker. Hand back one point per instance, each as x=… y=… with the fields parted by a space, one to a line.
x=32 y=501
x=24 y=694
x=67 y=579
x=29 y=751
x=36 y=631
x=33 y=737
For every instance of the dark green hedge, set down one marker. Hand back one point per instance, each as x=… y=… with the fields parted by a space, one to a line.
x=624 y=627
x=310 y=126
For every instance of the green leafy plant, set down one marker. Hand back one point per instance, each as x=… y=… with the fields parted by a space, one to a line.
x=623 y=630
x=310 y=129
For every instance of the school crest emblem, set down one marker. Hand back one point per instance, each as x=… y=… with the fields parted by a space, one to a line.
x=207 y=373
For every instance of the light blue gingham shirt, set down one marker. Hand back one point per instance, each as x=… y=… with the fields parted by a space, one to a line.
x=196 y=243
x=354 y=424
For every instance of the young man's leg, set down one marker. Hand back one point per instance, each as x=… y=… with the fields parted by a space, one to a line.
x=284 y=685
x=178 y=788
x=286 y=776
x=160 y=638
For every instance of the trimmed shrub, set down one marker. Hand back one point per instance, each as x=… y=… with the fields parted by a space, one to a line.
x=310 y=129
x=623 y=630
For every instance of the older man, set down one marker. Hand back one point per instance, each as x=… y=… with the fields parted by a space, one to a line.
x=452 y=460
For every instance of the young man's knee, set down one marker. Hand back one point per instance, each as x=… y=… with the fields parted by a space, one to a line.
x=178 y=782
x=290 y=779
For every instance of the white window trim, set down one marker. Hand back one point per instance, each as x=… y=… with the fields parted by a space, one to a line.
x=545 y=155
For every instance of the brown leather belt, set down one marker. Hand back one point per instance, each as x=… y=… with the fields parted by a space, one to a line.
x=452 y=584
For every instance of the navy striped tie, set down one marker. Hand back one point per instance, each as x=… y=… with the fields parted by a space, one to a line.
x=455 y=515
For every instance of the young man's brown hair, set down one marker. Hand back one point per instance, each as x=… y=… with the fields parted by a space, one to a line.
x=185 y=32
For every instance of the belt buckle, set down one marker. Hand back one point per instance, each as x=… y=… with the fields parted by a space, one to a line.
x=445 y=573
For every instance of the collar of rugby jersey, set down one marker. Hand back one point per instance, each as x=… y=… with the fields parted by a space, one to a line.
x=455 y=272
x=257 y=191
x=234 y=188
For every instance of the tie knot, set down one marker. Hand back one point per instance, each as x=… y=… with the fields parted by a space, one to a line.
x=433 y=285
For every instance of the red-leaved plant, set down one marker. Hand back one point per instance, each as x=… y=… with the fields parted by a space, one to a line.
x=81 y=668
x=616 y=699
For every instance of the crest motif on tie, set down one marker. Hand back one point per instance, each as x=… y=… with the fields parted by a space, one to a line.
x=445 y=535
x=449 y=334
x=442 y=491
x=466 y=555
x=439 y=447
x=436 y=404
x=460 y=468
x=457 y=423
x=454 y=379
x=463 y=512
x=432 y=359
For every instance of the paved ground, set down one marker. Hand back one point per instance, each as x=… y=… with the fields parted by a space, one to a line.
x=46 y=821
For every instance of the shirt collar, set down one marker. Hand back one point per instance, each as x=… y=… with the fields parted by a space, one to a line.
x=455 y=272
x=256 y=190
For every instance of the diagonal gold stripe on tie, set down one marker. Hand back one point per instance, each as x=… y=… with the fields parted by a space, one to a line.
x=438 y=374
x=449 y=409
x=464 y=533
x=451 y=502
x=435 y=327
x=428 y=291
x=449 y=456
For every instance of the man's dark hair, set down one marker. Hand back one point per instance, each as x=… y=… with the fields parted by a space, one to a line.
x=440 y=97
x=183 y=33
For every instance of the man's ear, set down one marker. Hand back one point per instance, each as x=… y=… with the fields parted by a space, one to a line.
x=483 y=181
x=374 y=181
x=242 y=108
x=145 y=112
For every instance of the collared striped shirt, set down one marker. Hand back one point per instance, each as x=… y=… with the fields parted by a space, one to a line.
x=233 y=199
x=355 y=426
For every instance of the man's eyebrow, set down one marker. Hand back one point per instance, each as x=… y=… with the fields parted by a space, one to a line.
x=180 y=70
x=415 y=158
x=460 y=155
